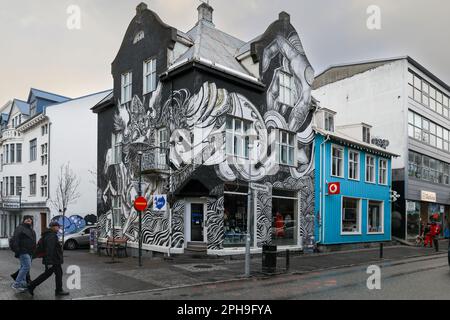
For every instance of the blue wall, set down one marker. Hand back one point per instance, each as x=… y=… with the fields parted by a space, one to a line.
x=331 y=221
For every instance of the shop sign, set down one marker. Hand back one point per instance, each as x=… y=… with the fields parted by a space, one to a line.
x=259 y=187
x=428 y=196
x=410 y=206
x=11 y=205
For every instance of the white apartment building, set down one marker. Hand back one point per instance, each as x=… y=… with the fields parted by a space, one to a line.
x=39 y=137
x=408 y=106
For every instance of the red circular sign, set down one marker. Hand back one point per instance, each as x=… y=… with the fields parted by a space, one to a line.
x=140 y=204
x=334 y=188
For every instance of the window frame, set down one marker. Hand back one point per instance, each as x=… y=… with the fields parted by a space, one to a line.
x=33 y=150
x=116 y=148
x=124 y=86
x=33 y=194
x=381 y=214
x=358 y=168
x=386 y=175
x=359 y=217
x=289 y=148
x=146 y=74
x=243 y=135
x=342 y=167
x=374 y=169
x=283 y=89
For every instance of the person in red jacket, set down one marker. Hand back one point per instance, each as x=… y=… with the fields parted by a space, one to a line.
x=279 y=226
x=435 y=231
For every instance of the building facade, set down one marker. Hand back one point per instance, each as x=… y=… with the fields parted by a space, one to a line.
x=40 y=136
x=353 y=189
x=210 y=113
x=409 y=109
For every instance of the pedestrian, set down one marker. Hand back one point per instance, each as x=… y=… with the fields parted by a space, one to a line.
x=23 y=245
x=52 y=260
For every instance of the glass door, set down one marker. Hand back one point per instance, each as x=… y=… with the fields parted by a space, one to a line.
x=197 y=222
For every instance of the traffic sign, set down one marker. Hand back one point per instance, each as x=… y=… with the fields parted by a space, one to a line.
x=140 y=204
x=334 y=188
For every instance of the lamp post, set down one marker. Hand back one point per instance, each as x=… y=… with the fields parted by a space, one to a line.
x=249 y=211
x=140 y=212
x=63 y=225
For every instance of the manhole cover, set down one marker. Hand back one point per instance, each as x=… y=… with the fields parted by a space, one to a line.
x=203 y=266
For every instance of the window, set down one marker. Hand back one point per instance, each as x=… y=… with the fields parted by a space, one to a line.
x=149 y=76
x=7 y=153
x=12 y=152
x=126 y=85
x=237 y=137
x=44 y=154
x=428 y=132
x=163 y=144
x=19 y=152
x=44 y=189
x=370 y=169
x=383 y=172
x=32 y=185
x=44 y=129
x=33 y=150
x=351 y=216
x=18 y=186
x=286 y=91
x=286 y=148
x=33 y=109
x=116 y=148
x=366 y=134
x=353 y=165
x=375 y=217
x=117 y=211
x=235 y=216
x=6 y=186
x=337 y=166
x=329 y=122
x=424 y=168
x=11 y=186
x=284 y=218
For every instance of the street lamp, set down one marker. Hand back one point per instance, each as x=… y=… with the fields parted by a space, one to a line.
x=20 y=197
x=140 y=212
x=63 y=211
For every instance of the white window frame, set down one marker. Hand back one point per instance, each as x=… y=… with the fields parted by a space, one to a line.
x=163 y=145
x=33 y=150
x=33 y=194
x=358 y=165
x=232 y=133
x=369 y=133
x=116 y=147
x=286 y=89
x=342 y=167
x=288 y=146
x=385 y=176
x=382 y=217
x=126 y=86
x=328 y=119
x=374 y=169
x=149 y=75
x=116 y=208
x=359 y=217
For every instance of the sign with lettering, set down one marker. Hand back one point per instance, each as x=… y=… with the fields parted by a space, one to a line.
x=428 y=196
x=259 y=187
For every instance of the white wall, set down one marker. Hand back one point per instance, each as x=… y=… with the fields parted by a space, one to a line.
x=73 y=139
x=376 y=97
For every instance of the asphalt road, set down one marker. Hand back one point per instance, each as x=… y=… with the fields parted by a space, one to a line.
x=416 y=279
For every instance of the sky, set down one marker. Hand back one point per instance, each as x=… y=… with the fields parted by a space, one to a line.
x=37 y=49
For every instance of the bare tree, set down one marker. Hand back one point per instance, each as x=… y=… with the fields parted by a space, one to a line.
x=66 y=192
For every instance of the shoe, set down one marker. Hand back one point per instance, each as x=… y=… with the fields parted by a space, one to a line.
x=14 y=277
x=61 y=293
x=30 y=290
x=18 y=288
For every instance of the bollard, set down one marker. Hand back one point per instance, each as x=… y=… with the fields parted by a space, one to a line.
x=436 y=244
x=381 y=250
x=288 y=260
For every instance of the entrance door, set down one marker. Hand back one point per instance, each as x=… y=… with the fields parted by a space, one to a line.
x=43 y=221
x=197 y=222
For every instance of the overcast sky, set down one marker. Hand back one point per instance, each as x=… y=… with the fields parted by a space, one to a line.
x=38 y=50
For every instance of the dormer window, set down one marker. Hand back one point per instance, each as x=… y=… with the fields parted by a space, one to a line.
x=149 y=76
x=126 y=85
x=33 y=109
x=329 y=121
x=366 y=134
x=138 y=37
x=286 y=89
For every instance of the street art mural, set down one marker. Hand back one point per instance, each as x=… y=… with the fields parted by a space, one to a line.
x=74 y=223
x=197 y=122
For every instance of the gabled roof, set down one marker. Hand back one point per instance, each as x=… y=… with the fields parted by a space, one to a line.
x=214 y=45
x=23 y=107
x=47 y=96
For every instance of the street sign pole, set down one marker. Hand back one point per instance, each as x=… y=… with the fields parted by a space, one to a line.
x=140 y=211
x=249 y=210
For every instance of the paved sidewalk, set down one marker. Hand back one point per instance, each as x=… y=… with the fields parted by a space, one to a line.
x=100 y=277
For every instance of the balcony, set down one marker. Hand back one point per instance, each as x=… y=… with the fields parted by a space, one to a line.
x=155 y=161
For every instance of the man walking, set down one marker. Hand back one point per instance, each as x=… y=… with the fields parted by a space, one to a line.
x=52 y=259
x=23 y=245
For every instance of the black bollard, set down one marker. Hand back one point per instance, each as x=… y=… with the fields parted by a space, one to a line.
x=436 y=244
x=288 y=260
x=381 y=250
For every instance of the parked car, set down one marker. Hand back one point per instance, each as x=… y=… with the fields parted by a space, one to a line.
x=77 y=240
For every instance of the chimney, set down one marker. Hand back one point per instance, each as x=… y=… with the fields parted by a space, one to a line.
x=205 y=13
x=141 y=8
x=284 y=16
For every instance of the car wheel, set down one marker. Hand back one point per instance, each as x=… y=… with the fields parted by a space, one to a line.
x=71 y=245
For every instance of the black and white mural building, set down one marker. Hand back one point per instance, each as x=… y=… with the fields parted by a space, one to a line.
x=207 y=113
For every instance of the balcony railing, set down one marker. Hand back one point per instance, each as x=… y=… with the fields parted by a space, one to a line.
x=155 y=160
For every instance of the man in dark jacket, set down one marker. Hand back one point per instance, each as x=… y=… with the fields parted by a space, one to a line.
x=53 y=260
x=23 y=245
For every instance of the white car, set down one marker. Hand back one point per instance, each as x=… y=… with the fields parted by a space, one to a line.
x=80 y=239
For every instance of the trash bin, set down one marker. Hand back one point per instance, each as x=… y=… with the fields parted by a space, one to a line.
x=269 y=259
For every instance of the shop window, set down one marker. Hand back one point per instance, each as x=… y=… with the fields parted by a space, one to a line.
x=375 y=217
x=285 y=218
x=351 y=216
x=235 y=218
x=412 y=220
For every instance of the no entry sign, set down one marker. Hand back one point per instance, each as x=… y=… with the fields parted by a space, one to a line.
x=140 y=204
x=334 y=188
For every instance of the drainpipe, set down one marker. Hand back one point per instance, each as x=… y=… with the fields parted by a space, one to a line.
x=322 y=187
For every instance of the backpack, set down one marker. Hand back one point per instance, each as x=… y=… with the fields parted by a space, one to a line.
x=40 y=252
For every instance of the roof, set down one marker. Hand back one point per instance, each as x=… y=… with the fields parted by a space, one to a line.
x=335 y=73
x=339 y=136
x=247 y=46
x=23 y=107
x=213 y=45
x=47 y=95
x=105 y=102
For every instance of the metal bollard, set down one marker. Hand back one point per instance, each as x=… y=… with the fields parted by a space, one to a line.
x=288 y=260
x=381 y=250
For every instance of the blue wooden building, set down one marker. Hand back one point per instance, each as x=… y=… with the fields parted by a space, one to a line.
x=353 y=184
